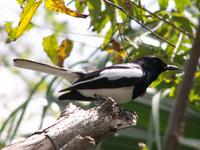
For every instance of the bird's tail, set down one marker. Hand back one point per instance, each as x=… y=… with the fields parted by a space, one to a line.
x=32 y=65
x=75 y=95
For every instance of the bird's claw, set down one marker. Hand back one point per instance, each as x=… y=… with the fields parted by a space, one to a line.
x=128 y=114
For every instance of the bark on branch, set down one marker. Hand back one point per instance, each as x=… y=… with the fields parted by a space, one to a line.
x=177 y=116
x=79 y=129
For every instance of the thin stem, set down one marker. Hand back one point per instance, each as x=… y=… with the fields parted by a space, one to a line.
x=121 y=36
x=142 y=25
x=164 y=20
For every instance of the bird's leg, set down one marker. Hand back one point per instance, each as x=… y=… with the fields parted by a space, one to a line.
x=100 y=97
x=143 y=93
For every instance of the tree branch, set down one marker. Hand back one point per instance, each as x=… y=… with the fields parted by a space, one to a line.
x=177 y=116
x=79 y=129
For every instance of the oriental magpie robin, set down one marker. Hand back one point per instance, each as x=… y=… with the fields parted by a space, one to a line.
x=122 y=82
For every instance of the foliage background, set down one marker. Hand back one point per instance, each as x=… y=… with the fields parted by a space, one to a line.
x=28 y=99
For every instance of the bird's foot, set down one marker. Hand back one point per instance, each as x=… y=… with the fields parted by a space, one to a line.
x=100 y=97
x=128 y=114
x=143 y=93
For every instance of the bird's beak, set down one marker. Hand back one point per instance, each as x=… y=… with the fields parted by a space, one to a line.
x=171 y=67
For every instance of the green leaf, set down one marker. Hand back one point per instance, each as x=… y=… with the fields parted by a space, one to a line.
x=94 y=6
x=50 y=45
x=121 y=14
x=163 y=4
x=95 y=14
x=183 y=22
x=80 y=5
x=21 y=1
x=180 y=4
x=56 y=53
x=11 y=31
x=108 y=36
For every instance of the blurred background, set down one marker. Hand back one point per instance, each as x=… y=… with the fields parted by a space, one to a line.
x=28 y=99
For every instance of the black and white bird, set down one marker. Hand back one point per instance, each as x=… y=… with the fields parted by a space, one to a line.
x=122 y=82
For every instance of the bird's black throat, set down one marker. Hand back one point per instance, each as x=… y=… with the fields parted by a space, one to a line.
x=148 y=78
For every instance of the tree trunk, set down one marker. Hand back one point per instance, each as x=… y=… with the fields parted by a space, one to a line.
x=78 y=129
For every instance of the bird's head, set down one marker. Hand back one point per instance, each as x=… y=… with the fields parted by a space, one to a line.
x=154 y=64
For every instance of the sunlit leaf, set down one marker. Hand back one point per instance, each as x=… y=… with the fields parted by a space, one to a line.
x=163 y=4
x=64 y=51
x=24 y=23
x=94 y=5
x=108 y=36
x=21 y=1
x=180 y=4
x=11 y=31
x=183 y=22
x=95 y=14
x=102 y=21
x=59 y=6
x=50 y=45
x=57 y=53
x=80 y=5
x=26 y=15
x=114 y=46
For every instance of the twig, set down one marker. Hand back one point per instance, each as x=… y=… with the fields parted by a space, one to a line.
x=69 y=32
x=142 y=25
x=164 y=20
x=177 y=116
x=178 y=44
x=121 y=36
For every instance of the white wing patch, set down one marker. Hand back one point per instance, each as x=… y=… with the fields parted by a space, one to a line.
x=114 y=74
x=117 y=73
x=130 y=65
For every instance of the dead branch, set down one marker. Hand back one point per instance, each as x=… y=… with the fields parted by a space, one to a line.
x=78 y=129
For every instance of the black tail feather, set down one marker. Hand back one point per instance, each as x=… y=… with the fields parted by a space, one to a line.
x=75 y=95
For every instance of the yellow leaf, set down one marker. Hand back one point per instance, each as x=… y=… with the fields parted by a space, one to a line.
x=64 y=51
x=59 y=6
x=26 y=15
x=57 y=53
x=20 y=2
x=197 y=74
x=113 y=46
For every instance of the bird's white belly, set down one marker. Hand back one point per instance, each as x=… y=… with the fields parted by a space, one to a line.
x=120 y=95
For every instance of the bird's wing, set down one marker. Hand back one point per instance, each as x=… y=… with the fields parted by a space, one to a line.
x=110 y=77
x=32 y=65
